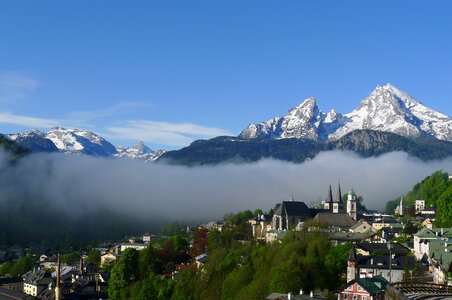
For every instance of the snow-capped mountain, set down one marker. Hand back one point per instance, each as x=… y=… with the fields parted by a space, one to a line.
x=34 y=140
x=80 y=141
x=385 y=109
x=139 y=151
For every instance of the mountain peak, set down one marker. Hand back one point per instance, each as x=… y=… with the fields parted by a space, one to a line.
x=387 y=108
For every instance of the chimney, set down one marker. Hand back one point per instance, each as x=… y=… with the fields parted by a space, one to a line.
x=311 y=294
x=58 y=278
x=81 y=264
x=289 y=296
x=301 y=291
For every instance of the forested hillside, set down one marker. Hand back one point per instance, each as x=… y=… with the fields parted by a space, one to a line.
x=436 y=190
x=237 y=267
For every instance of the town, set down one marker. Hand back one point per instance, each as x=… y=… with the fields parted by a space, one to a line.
x=371 y=255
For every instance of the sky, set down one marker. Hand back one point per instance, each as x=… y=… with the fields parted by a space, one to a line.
x=170 y=72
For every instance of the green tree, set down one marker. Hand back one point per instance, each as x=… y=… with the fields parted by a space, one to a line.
x=21 y=266
x=94 y=257
x=70 y=258
x=124 y=272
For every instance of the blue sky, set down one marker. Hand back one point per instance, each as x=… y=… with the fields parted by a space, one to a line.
x=169 y=72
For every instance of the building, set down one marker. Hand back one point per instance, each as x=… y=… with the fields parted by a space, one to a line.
x=419 y=205
x=133 y=245
x=260 y=225
x=37 y=281
x=364 y=289
x=361 y=226
x=351 y=204
x=334 y=206
x=377 y=261
x=340 y=221
x=108 y=258
x=289 y=214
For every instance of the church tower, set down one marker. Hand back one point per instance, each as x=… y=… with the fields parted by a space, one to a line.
x=352 y=270
x=328 y=203
x=351 y=204
x=338 y=205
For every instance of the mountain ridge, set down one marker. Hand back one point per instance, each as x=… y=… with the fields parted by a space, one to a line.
x=386 y=109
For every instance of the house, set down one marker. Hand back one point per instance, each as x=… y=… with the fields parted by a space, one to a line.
x=135 y=246
x=361 y=226
x=146 y=238
x=391 y=266
x=364 y=289
x=201 y=260
x=260 y=225
x=108 y=258
x=419 y=205
x=421 y=242
x=37 y=281
x=440 y=260
x=289 y=214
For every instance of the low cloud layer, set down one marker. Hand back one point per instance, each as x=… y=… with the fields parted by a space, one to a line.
x=78 y=183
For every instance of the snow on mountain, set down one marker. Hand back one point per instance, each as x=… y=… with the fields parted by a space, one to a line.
x=139 y=151
x=33 y=140
x=80 y=141
x=386 y=109
x=304 y=121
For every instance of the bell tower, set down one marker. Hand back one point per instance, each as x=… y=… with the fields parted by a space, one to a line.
x=352 y=270
x=351 y=204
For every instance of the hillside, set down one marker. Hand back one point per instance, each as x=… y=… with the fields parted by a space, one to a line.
x=364 y=142
x=436 y=190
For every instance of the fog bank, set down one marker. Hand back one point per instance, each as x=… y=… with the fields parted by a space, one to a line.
x=79 y=183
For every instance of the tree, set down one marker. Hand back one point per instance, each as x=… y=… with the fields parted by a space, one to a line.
x=124 y=272
x=70 y=258
x=94 y=257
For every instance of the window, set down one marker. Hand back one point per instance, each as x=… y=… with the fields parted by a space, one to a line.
x=345 y=297
x=355 y=297
x=360 y=288
x=364 y=298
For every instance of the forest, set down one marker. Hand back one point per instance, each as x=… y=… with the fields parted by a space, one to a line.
x=238 y=267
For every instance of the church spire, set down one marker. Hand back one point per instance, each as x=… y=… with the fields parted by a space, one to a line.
x=339 y=193
x=330 y=195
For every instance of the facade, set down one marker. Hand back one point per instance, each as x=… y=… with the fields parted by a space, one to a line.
x=260 y=225
x=108 y=258
x=419 y=205
x=335 y=206
x=289 y=214
x=364 y=289
x=36 y=282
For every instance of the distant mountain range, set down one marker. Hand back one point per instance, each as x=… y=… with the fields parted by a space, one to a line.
x=79 y=141
x=387 y=120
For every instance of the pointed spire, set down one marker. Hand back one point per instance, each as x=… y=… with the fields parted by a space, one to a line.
x=330 y=195
x=352 y=255
x=339 y=193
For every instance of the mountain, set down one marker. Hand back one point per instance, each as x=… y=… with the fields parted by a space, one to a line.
x=139 y=151
x=364 y=142
x=79 y=141
x=34 y=140
x=386 y=109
